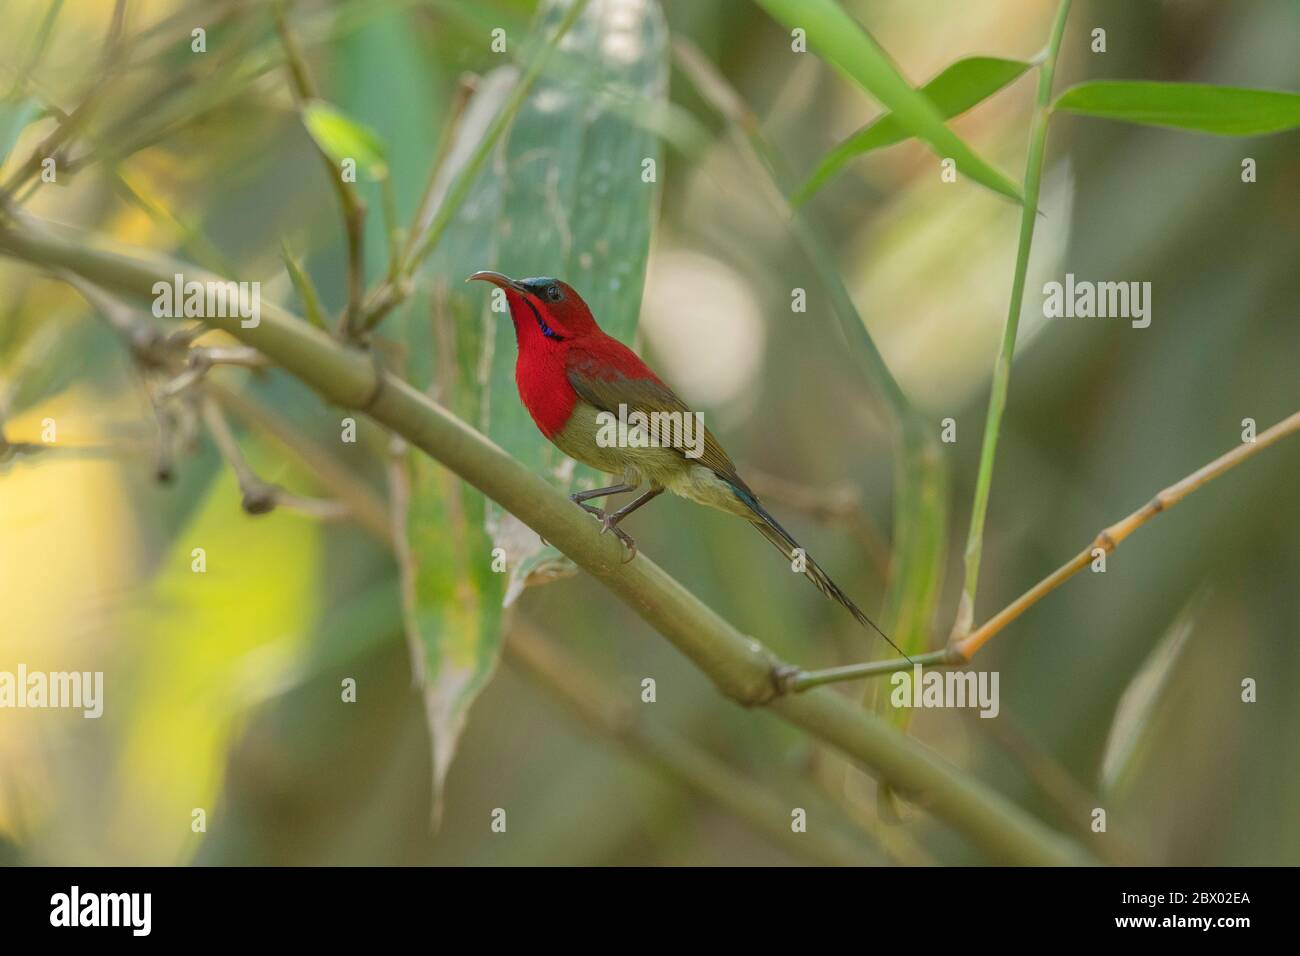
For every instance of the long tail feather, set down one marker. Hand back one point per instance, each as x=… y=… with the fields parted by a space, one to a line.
x=771 y=529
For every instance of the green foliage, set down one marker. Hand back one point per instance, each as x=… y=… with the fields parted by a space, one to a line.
x=1222 y=110
x=343 y=138
x=561 y=195
x=839 y=39
x=224 y=703
x=955 y=90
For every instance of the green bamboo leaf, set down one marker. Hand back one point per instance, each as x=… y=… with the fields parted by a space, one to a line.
x=14 y=117
x=1131 y=735
x=343 y=138
x=449 y=597
x=958 y=88
x=451 y=593
x=1222 y=110
x=842 y=42
x=562 y=194
x=311 y=304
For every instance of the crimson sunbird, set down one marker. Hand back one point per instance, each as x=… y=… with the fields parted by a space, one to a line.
x=569 y=372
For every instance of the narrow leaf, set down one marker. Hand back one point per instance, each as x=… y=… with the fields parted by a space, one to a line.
x=343 y=138
x=452 y=594
x=1131 y=727
x=843 y=43
x=1222 y=110
x=958 y=88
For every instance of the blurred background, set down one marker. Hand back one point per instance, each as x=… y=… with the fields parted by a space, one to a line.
x=1121 y=690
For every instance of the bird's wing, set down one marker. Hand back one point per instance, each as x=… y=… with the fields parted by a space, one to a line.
x=604 y=382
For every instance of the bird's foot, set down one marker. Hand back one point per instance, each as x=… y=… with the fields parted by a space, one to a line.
x=590 y=509
x=609 y=523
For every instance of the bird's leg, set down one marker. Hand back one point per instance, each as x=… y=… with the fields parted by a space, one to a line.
x=609 y=522
x=578 y=497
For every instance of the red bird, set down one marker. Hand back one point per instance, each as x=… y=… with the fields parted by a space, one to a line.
x=574 y=380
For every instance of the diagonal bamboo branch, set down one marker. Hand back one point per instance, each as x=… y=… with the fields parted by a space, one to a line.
x=559 y=673
x=739 y=666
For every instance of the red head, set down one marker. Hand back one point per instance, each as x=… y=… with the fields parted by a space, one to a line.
x=546 y=312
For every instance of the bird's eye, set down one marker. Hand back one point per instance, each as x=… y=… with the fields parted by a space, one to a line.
x=553 y=293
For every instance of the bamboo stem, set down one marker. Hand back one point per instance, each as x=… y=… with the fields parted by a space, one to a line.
x=1002 y=366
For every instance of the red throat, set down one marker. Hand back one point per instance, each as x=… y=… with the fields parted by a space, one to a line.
x=540 y=368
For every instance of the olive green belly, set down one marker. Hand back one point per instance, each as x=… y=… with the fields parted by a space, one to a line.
x=659 y=467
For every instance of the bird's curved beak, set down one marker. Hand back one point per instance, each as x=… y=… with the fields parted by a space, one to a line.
x=498 y=279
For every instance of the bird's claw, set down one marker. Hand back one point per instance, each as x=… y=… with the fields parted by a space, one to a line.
x=607 y=524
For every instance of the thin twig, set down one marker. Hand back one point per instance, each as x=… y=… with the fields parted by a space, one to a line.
x=12 y=450
x=364 y=504
x=258 y=496
x=1106 y=541
x=179 y=384
x=156 y=352
x=1110 y=538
